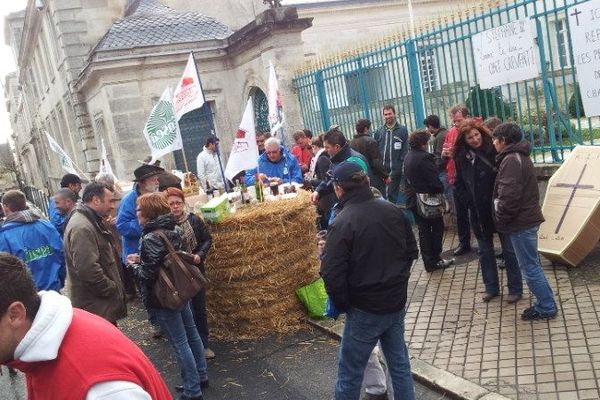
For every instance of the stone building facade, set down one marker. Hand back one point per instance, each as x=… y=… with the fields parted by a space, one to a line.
x=93 y=69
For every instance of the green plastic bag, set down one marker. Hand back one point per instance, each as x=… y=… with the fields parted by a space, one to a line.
x=314 y=298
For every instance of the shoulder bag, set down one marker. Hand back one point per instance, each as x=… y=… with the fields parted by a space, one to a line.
x=178 y=278
x=430 y=206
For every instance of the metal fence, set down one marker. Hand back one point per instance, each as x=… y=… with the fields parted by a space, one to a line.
x=433 y=70
x=37 y=198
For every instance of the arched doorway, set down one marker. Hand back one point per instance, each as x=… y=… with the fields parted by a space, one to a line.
x=261 y=110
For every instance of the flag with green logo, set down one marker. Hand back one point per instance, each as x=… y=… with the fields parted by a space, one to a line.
x=161 y=130
x=65 y=161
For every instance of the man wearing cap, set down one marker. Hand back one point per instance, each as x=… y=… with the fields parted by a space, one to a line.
x=73 y=183
x=207 y=165
x=366 y=265
x=146 y=181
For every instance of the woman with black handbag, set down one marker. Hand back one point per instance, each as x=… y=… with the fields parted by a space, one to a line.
x=474 y=155
x=197 y=241
x=154 y=215
x=423 y=187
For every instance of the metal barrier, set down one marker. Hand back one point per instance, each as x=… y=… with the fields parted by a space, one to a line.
x=431 y=71
x=37 y=197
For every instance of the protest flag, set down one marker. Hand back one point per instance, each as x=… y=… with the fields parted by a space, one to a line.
x=244 y=152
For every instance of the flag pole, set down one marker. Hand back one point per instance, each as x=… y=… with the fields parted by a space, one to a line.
x=208 y=116
x=185 y=163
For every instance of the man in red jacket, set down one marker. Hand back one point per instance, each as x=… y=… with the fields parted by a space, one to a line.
x=57 y=346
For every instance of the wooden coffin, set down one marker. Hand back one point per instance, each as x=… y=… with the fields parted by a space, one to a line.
x=571 y=208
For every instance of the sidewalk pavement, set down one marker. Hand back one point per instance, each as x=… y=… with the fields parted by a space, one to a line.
x=478 y=350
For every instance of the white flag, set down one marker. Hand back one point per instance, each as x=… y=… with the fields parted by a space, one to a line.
x=162 y=130
x=65 y=161
x=105 y=167
x=188 y=94
x=244 y=152
x=276 y=117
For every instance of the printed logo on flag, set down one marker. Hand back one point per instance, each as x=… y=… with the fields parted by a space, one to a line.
x=162 y=126
x=240 y=134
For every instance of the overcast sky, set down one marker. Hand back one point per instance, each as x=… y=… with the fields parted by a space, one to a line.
x=8 y=65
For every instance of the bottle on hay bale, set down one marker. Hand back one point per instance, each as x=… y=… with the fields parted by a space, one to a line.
x=258 y=188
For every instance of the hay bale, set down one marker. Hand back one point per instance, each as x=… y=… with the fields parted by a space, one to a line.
x=260 y=256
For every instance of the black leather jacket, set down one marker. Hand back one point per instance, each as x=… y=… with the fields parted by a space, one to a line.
x=153 y=250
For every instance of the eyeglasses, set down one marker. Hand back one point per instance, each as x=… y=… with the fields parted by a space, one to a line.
x=272 y=152
x=176 y=203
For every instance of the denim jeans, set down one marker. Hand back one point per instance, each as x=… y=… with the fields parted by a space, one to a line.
x=447 y=189
x=525 y=244
x=180 y=330
x=361 y=332
x=489 y=268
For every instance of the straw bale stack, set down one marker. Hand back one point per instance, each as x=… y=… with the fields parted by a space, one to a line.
x=260 y=255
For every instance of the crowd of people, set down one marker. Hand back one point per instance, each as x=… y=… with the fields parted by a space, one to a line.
x=483 y=171
x=108 y=247
x=104 y=249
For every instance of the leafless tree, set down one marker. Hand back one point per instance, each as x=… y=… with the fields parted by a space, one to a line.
x=272 y=3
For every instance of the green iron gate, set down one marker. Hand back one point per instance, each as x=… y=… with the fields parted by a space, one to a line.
x=431 y=71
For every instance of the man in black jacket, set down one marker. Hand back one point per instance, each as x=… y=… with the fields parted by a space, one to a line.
x=339 y=150
x=366 y=265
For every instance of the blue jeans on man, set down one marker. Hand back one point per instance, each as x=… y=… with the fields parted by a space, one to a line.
x=181 y=332
x=361 y=333
x=525 y=244
x=489 y=267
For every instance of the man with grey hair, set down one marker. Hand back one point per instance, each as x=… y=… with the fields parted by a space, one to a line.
x=276 y=164
x=65 y=201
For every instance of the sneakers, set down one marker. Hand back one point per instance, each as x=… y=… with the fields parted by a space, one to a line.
x=442 y=264
x=460 y=250
x=488 y=296
x=513 y=298
x=209 y=354
x=531 y=314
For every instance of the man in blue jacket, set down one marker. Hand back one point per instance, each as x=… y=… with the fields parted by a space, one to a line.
x=34 y=240
x=146 y=181
x=275 y=164
x=73 y=183
x=393 y=145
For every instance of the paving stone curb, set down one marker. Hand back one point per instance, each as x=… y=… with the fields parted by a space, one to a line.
x=456 y=386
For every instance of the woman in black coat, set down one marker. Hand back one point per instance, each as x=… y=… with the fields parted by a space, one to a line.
x=474 y=155
x=198 y=241
x=422 y=176
x=154 y=215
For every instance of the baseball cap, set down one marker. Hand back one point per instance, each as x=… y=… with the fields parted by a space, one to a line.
x=345 y=171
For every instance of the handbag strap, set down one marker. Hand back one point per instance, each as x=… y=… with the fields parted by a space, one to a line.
x=165 y=239
x=486 y=162
x=177 y=258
